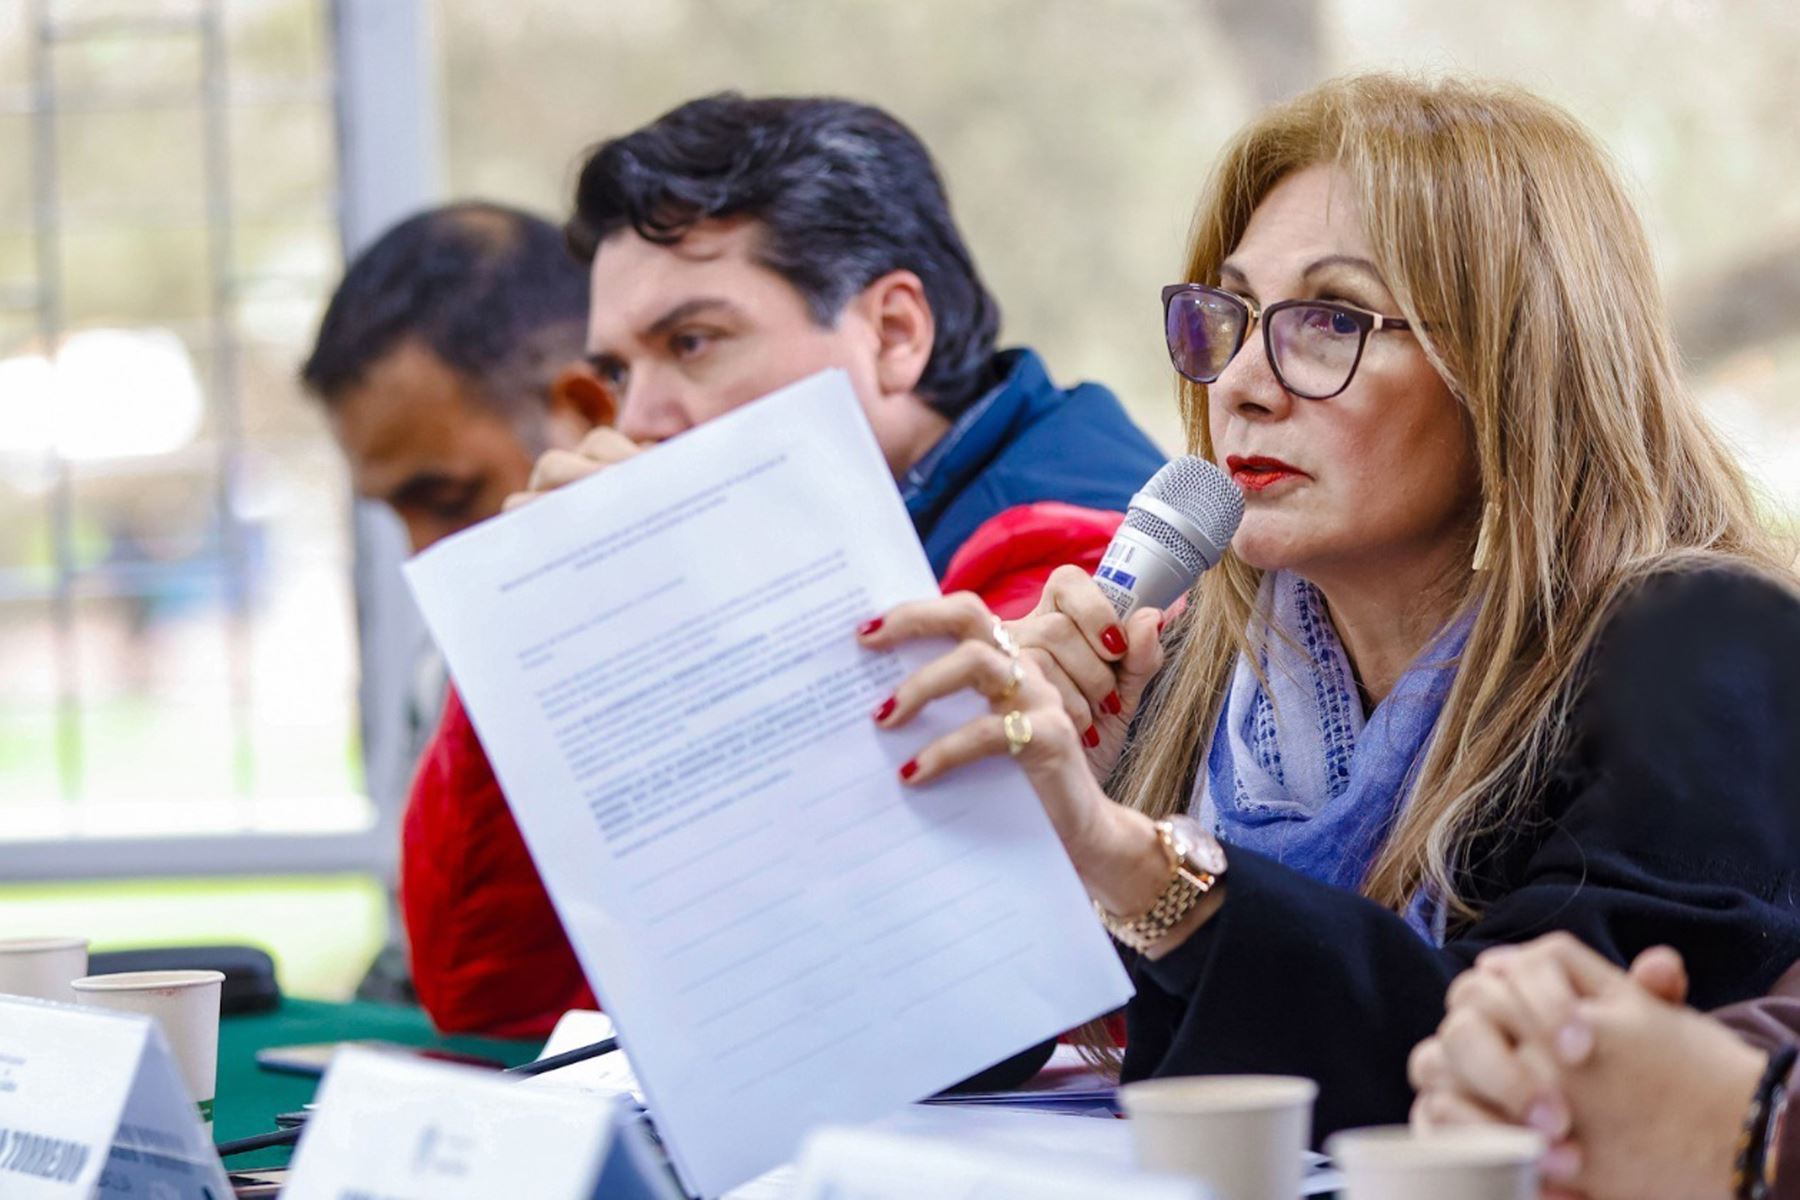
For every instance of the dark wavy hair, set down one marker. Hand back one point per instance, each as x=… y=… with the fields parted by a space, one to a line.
x=489 y=290
x=844 y=193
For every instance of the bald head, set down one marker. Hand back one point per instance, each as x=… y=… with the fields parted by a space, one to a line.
x=449 y=357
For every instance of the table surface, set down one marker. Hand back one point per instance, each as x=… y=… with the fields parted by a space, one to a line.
x=249 y=1097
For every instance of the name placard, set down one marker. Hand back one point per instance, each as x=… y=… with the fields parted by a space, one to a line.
x=389 y=1127
x=91 y=1104
x=871 y=1163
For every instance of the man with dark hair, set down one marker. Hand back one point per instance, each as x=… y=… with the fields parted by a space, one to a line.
x=738 y=245
x=450 y=357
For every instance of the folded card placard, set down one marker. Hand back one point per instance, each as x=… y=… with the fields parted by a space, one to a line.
x=875 y=1163
x=402 y=1129
x=91 y=1103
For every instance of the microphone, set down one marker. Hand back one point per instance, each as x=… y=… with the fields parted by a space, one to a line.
x=1177 y=526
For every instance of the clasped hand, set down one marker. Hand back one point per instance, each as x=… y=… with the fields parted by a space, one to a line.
x=1641 y=1097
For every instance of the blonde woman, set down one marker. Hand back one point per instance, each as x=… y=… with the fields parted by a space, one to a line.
x=1500 y=647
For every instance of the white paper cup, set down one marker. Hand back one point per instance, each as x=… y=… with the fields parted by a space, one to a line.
x=185 y=1004
x=1474 y=1163
x=1242 y=1135
x=42 y=967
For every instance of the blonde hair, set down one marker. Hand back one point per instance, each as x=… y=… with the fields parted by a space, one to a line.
x=1505 y=236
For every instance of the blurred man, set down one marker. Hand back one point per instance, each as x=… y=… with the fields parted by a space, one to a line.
x=736 y=246
x=449 y=358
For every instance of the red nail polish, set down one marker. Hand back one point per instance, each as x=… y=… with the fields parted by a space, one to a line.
x=1161 y=624
x=910 y=769
x=1091 y=738
x=1111 y=704
x=1113 y=638
x=886 y=710
x=868 y=627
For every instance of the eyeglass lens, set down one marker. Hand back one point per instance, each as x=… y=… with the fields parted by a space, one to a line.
x=1315 y=347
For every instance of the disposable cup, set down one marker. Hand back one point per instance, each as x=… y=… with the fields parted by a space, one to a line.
x=185 y=1004
x=1477 y=1162
x=1242 y=1135
x=41 y=967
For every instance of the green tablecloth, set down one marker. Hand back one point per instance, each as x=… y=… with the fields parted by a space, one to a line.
x=249 y=1097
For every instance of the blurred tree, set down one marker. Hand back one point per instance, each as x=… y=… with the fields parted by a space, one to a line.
x=1753 y=303
x=1076 y=134
x=1278 y=41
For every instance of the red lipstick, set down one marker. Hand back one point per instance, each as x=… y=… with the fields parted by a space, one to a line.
x=1255 y=472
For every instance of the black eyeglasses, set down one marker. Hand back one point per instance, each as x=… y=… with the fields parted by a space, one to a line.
x=1313 y=345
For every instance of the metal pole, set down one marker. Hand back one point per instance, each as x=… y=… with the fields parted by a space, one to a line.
x=216 y=129
x=388 y=167
x=47 y=226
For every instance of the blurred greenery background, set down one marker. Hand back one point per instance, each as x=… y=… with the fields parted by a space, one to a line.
x=1075 y=136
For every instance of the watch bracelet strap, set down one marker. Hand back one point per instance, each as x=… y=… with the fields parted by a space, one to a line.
x=1751 y=1174
x=1183 y=891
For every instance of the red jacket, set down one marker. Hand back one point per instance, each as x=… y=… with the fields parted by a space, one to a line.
x=488 y=953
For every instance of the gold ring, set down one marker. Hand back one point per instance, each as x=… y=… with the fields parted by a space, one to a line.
x=1003 y=638
x=1017 y=727
x=1015 y=676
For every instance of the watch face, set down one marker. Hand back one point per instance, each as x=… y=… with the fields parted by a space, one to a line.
x=1208 y=855
x=1203 y=850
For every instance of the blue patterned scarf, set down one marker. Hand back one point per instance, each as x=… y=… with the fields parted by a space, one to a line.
x=1298 y=775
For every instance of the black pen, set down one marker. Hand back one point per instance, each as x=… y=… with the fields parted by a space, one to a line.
x=566 y=1058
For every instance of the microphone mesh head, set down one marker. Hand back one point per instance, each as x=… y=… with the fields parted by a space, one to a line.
x=1203 y=494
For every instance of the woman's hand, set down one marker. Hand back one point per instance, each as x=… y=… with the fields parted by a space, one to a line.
x=1114 y=849
x=1642 y=1098
x=1098 y=665
x=600 y=449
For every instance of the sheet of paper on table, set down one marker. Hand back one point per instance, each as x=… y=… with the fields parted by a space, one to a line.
x=607 y=1075
x=985 y=1135
x=1065 y=1084
x=659 y=661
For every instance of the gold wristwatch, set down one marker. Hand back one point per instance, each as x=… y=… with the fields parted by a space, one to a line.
x=1196 y=860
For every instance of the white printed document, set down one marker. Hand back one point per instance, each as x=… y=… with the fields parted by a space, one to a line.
x=661 y=663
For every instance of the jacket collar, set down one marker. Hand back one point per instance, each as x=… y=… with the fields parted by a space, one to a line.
x=983 y=430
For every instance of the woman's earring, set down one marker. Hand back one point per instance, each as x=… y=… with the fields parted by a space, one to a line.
x=1490 y=515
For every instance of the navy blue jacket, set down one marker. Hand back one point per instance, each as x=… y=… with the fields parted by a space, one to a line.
x=1026 y=441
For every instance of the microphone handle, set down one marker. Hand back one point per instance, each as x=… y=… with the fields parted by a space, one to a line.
x=1124 y=602
x=1137 y=571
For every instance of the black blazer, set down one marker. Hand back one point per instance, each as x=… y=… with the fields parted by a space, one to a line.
x=1673 y=817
